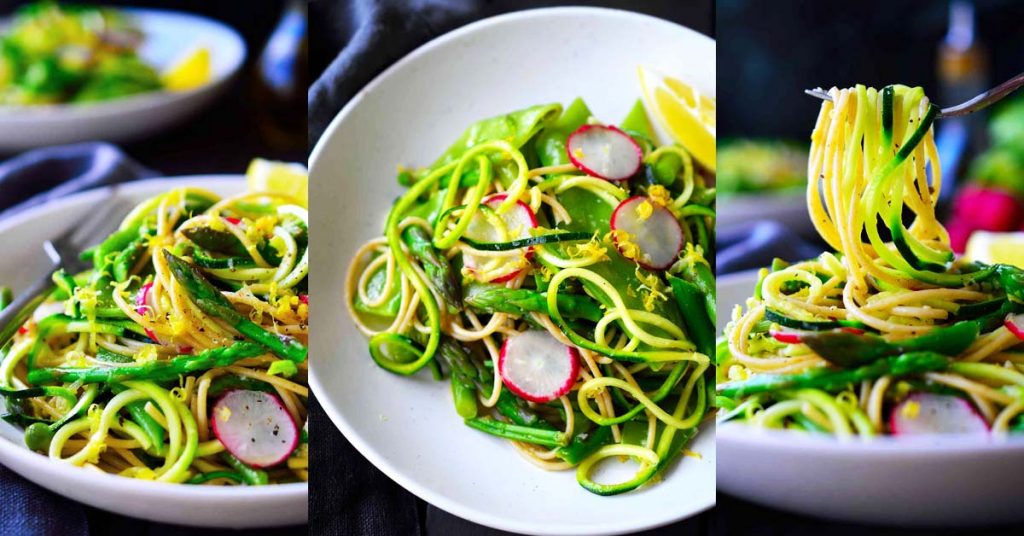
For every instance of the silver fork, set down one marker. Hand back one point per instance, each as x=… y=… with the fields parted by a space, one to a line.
x=979 y=102
x=63 y=251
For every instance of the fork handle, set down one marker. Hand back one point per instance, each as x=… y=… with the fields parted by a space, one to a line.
x=15 y=314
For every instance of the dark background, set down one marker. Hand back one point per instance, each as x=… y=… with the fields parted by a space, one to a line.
x=222 y=139
x=347 y=494
x=769 y=52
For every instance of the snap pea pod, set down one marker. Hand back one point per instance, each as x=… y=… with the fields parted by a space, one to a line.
x=435 y=265
x=830 y=379
x=584 y=444
x=498 y=299
x=250 y=475
x=6 y=297
x=691 y=301
x=527 y=434
x=551 y=141
x=516 y=128
x=155 y=370
x=209 y=299
x=700 y=274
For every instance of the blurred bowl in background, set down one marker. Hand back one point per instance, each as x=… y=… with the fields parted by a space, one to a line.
x=168 y=36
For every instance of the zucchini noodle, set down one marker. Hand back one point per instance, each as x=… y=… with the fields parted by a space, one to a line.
x=841 y=343
x=121 y=367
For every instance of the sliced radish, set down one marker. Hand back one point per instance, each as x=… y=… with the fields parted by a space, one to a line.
x=797 y=337
x=535 y=366
x=605 y=152
x=658 y=236
x=255 y=427
x=1015 y=323
x=143 y=303
x=928 y=413
x=518 y=222
x=142 y=299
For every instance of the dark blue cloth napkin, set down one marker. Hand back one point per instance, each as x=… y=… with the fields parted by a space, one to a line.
x=39 y=176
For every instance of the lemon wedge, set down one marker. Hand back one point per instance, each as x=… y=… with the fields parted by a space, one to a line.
x=190 y=72
x=279 y=178
x=687 y=115
x=992 y=248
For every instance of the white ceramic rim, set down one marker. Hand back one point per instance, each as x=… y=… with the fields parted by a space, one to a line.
x=336 y=416
x=139 y=101
x=78 y=476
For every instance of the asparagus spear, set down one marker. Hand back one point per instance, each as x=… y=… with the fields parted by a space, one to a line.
x=830 y=379
x=155 y=370
x=463 y=374
x=213 y=303
x=498 y=299
x=436 y=266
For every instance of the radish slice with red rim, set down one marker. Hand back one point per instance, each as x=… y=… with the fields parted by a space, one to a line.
x=929 y=413
x=1015 y=323
x=535 y=366
x=647 y=233
x=254 y=427
x=796 y=337
x=518 y=221
x=604 y=152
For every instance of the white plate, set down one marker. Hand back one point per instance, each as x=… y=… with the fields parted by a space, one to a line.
x=200 y=506
x=407 y=426
x=937 y=481
x=169 y=35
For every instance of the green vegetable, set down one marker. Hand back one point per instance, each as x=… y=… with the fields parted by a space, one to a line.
x=810 y=325
x=439 y=271
x=527 y=242
x=692 y=303
x=498 y=299
x=550 y=144
x=527 y=434
x=209 y=299
x=584 y=444
x=250 y=475
x=850 y=350
x=155 y=370
x=831 y=380
x=515 y=128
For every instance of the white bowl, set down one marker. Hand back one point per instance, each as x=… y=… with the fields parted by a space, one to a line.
x=407 y=427
x=200 y=506
x=169 y=35
x=936 y=481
